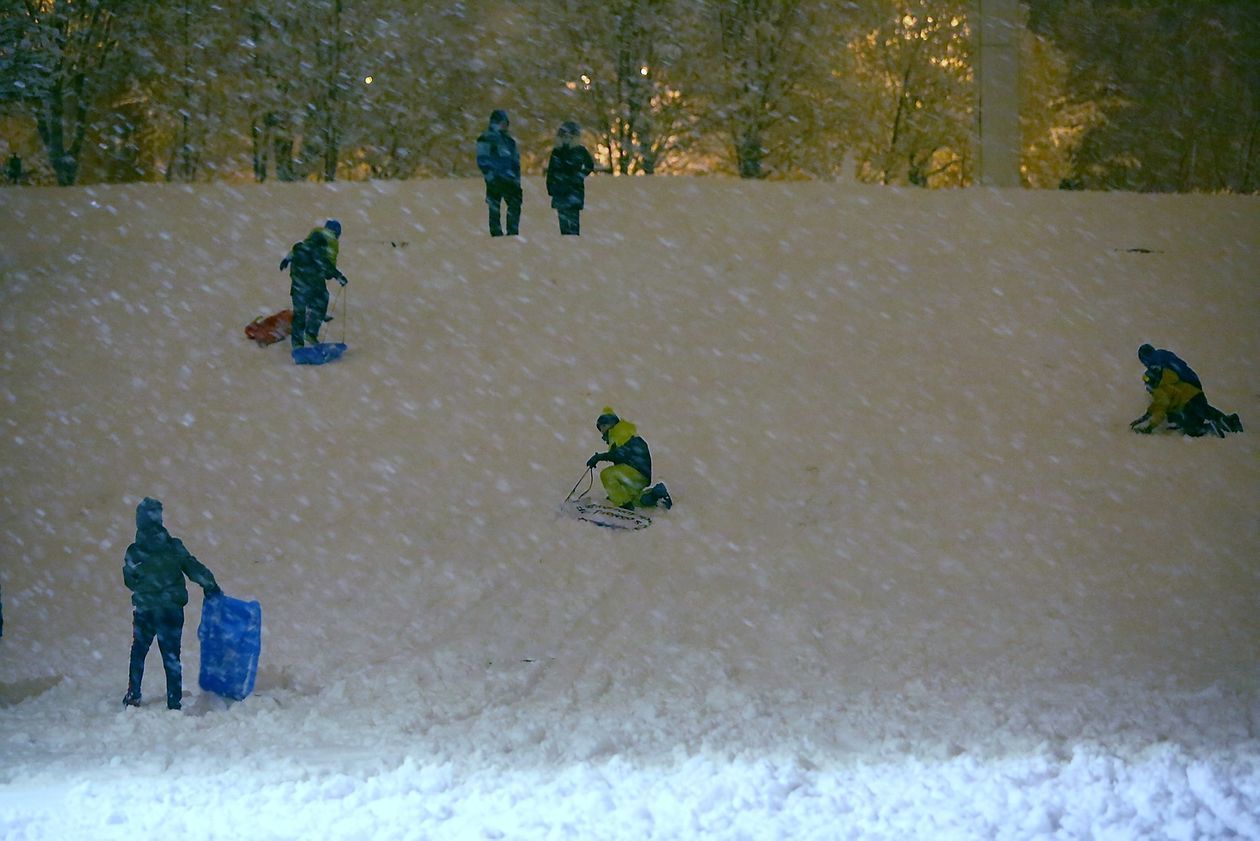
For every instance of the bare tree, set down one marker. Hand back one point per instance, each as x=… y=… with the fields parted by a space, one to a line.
x=912 y=75
x=55 y=55
x=622 y=63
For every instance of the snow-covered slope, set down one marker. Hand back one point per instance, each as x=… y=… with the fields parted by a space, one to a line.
x=913 y=535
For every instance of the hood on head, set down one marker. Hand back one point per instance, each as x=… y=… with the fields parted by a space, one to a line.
x=148 y=514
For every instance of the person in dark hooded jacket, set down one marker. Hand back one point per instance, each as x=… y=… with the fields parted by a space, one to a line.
x=1153 y=357
x=154 y=569
x=567 y=169
x=500 y=166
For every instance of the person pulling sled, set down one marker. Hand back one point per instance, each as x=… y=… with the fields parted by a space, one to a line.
x=627 y=480
x=1177 y=398
x=311 y=264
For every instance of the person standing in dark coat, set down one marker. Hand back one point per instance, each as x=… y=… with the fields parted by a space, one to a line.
x=500 y=165
x=566 y=177
x=154 y=570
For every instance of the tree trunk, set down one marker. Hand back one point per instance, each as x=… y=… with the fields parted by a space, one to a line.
x=332 y=133
x=51 y=131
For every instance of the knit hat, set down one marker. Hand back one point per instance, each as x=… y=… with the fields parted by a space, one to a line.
x=607 y=418
x=498 y=117
x=569 y=128
x=334 y=226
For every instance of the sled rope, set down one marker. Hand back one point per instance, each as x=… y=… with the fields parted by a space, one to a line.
x=345 y=313
x=589 y=476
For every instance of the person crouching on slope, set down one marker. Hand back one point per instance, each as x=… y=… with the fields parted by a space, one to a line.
x=627 y=480
x=1177 y=399
x=311 y=263
x=153 y=570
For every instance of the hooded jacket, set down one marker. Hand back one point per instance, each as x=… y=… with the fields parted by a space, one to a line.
x=314 y=259
x=566 y=176
x=626 y=447
x=156 y=563
x=497 y=157
x=1153 y=357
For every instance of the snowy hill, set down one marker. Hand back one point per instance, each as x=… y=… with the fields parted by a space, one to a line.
x=920 y=578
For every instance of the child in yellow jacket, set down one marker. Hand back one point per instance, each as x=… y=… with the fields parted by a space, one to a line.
x=1181 y=405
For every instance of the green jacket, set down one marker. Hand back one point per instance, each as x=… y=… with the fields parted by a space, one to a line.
x=313 y=260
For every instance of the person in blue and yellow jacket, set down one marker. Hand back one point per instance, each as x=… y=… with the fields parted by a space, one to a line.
x=1181 y=404
x=311 y=263
x=627 y=480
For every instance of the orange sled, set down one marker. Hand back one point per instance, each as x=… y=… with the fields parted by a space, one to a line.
x=269 y=329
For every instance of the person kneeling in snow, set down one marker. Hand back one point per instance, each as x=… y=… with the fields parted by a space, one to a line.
x=1177 y=398
x=311 y=263
x=154 y=570
x=627 y=480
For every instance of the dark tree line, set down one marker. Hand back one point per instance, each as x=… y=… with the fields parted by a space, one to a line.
x=1179 y=84
x=1117 y=94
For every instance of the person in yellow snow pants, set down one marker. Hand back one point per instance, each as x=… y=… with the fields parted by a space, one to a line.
x=627 y=480
x=623 y=484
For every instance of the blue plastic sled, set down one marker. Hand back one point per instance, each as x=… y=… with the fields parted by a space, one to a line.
x=319 y=354
x=231 y=639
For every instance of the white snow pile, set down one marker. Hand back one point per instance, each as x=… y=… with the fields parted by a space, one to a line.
x=920 y=580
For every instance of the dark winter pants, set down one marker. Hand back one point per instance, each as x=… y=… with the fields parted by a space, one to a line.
x=498 y=192
x=167 y=624
x=569 y=225
x=310 y=305
x=1198 y=417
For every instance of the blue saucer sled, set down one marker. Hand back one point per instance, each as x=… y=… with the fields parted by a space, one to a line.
x=319 y=354
x=231 y=639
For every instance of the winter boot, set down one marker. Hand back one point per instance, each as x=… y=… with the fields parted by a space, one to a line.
x=131 y=699
x=657 y=495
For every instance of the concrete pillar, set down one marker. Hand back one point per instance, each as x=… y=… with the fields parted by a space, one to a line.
x=997 y=92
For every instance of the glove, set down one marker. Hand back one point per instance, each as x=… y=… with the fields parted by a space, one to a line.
x=213 y=592
x=284 y=264
x=1142 y=430
x=1142 y=419
x=343 y=280
x=594 y=460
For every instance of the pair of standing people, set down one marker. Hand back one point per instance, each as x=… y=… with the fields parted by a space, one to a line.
x=500 y=165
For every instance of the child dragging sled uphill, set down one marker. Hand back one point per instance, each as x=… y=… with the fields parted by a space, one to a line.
x=311 y=263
